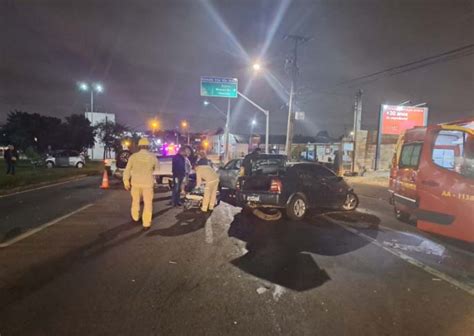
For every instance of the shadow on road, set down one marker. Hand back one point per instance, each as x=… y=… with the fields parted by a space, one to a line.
x=41 y=274
x=279 y=251
x=188 y=221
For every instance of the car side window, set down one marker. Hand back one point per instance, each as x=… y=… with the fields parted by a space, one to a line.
x=410 y=156
x=320 y=171
x=73 y=153
x=230 y=165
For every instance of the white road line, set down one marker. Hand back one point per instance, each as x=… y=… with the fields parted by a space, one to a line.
x=208 y=230
x=413 y=261
x=43 y=187
x=42 y=227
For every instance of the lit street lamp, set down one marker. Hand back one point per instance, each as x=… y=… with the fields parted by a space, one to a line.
x=257 y=66
x=154 y=125
x=97 y=87
x=184 y=126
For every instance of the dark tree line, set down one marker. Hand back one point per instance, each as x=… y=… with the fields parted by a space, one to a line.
x=35 y=132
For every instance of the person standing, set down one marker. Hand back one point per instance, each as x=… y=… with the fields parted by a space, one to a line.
x=138 y=178
x=246 y=168
x=179 y=172
x=11 y=156
x=206 y=173
x=188 y=167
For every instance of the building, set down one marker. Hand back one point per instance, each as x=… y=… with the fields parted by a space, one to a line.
x=95 y=118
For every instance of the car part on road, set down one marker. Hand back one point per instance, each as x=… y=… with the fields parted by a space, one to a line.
x=402 y=216
x=267 y=214
x=351 y=203
x=297 y=207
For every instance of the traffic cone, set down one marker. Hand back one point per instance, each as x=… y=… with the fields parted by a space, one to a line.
x=105 y=181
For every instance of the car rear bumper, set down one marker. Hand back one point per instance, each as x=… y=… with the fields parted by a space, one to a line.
x=259 y=200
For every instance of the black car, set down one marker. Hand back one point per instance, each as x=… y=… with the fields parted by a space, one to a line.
x=294 y=187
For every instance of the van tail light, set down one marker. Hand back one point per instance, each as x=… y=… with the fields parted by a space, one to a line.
x=275 y=186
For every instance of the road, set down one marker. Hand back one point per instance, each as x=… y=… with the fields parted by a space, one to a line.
x=363 y=273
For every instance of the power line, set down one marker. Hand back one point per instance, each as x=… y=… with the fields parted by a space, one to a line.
x=442 y=57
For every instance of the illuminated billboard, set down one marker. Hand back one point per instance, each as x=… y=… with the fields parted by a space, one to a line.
x=394 y=119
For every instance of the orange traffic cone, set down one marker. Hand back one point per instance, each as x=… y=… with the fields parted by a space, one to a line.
x=105 y=181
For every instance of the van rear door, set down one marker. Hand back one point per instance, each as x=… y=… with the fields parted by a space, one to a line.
x=445 y=185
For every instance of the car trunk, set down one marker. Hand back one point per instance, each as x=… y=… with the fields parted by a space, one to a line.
x=256 y=183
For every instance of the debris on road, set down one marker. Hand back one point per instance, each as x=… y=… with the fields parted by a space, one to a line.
x=172 y=262
x=261 y=290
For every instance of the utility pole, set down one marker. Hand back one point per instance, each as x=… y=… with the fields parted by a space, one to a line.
x=226 y=133
x=357 y=124
x=293 y=64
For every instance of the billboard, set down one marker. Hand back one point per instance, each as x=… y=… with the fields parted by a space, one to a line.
x=394 y=119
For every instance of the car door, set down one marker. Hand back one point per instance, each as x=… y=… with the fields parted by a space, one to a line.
x=308 y=184
x=234 y=174
x=62 y=158
x=225 y=174
x=325 y=185
x=73 y=158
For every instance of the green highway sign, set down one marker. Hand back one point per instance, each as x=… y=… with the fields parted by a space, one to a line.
x=219 y=87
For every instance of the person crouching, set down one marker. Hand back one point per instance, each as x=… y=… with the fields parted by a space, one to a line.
x=206 y=173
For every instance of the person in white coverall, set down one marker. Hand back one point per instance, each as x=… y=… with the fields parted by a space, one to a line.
x=138 y=178
x=206 y=173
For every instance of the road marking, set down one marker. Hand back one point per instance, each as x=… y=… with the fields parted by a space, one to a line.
x=469 y=289
x=208 y=230
x=44 y=187
x=42 y=227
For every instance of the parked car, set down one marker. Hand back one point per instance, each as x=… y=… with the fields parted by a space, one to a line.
x=294 y=187
x=229 y=174
x=65 y=158
x=432 y=178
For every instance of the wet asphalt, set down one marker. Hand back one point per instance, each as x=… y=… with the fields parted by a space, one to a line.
x=230 y=273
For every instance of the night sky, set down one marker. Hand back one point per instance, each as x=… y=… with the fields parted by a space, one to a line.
x=149 y=55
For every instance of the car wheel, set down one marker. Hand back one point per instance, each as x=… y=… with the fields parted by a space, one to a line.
x=351 y=202
x=49 y=164
x=402 y=216
x=80 y=165
x=297 y=208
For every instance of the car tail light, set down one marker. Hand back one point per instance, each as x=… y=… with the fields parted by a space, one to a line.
x=275 y=186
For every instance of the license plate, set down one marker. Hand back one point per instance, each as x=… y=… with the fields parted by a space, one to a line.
x=253 y=198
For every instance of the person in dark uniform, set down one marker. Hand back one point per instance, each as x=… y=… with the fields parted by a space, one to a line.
x=247 y=162
x=179 y=173
x=10 y=156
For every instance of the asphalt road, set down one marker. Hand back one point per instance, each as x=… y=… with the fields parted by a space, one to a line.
x=362 y=273
x=24 y=211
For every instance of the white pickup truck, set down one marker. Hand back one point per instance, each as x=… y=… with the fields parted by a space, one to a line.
x=115 y=167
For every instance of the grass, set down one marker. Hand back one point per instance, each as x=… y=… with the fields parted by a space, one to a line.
x=27 y=175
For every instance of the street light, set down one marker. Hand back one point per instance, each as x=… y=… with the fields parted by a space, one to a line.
x=97 y=87
x=154 y=125
x=184 y=126
x=257 y=66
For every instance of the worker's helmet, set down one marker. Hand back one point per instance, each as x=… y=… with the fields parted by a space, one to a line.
x=144 y=142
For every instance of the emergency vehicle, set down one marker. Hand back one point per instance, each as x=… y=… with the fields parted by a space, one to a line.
x=432 y=178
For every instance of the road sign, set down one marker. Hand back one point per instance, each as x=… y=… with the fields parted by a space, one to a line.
x=299 y=115
x=219 y=87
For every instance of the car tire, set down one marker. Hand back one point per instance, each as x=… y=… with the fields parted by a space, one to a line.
x=402 y=216
x=80 y=165
x=297 y=207
x=49 y=164
x=351 y=202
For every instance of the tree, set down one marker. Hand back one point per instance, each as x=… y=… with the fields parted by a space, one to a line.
x=32 y=130
x=41 y=133
x=110 y=134
x=78 y=132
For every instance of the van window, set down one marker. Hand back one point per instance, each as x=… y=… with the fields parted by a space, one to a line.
x=410 y=156
x=454 y=150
